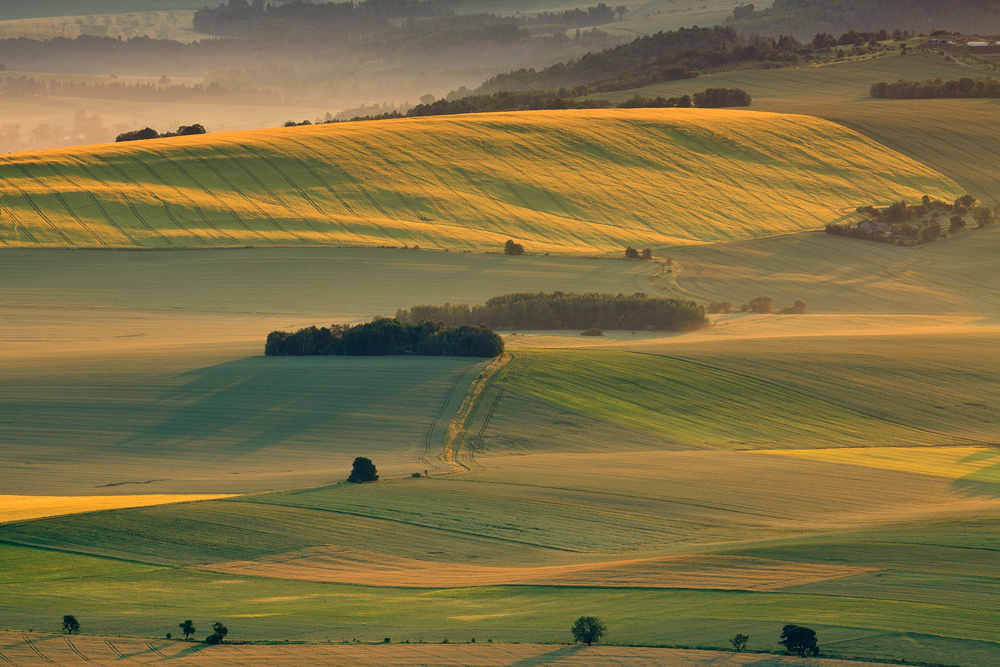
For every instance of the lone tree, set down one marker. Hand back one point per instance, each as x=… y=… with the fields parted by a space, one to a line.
x=631 y=253
x=219 y=633
x=70 y=624
x=511 y=248
x=799 y=640
x=762 y=305
x=588 y=629
x=363 y=471
x=739 y=642
x=187 y=627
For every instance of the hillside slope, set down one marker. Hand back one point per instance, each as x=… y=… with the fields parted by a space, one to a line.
x=571 y=182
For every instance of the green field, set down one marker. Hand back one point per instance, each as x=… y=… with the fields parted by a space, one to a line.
x=569 y=182
x=959 y=138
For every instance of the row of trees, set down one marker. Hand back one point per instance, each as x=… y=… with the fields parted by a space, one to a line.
x=797 y=639
x=562 y=310
x=383 y=336
x=938 y=88
x=760 y=305
x=806 y=16
x=242 y=19
x=536 y=100
x=710 y=98
x=213 y=92
x=150 y=133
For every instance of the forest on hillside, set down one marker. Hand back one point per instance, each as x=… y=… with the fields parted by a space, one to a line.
x=805 y=18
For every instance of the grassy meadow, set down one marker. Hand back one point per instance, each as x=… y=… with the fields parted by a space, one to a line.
x=592 y=185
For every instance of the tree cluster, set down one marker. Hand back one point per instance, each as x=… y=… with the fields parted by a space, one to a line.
x=938 y=88
x=213 y=93
x=384 y=336
x=901 y=223
x=318 y=21
x=804 y=17
x=562 y=310
x=150 y=133
x=761 y=305
x=665 y=56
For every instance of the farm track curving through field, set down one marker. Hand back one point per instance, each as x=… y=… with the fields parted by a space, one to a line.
x=42 y=215
x=72 y=647
x=302 y=193
x=62 y=200
x=166 y=209
x=236 y=217
x=180 y=193
x=37 y=651
x=90 y=172
x=429 y=437
x=245 y=197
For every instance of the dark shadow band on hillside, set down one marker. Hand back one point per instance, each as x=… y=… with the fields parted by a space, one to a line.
x=251 y=404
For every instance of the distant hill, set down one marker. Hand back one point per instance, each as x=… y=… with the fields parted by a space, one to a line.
x=44 y=8
x=805 y=18
x=563 y=181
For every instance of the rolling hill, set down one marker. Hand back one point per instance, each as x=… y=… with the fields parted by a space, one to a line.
x=567 y=182
x=959 y=138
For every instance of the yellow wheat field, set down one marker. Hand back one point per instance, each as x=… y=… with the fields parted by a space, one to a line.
x=980 y=464
x=588 y=181
x=24 y=508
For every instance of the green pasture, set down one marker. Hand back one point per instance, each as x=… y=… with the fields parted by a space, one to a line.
x=959 y=138
x=938 y=383
x=107 y=601
x=697 y=405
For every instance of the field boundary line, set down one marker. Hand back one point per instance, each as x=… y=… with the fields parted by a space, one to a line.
x=456 y=428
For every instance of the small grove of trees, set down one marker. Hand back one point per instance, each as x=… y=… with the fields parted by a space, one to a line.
x=588 y=629
x=511 y=248
x=563 y=310
x=763 y=305
x=363 y=470
x=901 y=223
x=150 y=133
x=383 y=337
x=938 y=88
x=632 y=253
x=70 y=624
x=187 y=627
x=799 y=640
x=219 y=632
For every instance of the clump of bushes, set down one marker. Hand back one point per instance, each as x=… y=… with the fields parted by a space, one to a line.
x=593 y=331
x=632 y=253
x=511 y=248
x=383 y=336
x=565 y=310
x=219 y=632
x=718 y=307
x=764 y=305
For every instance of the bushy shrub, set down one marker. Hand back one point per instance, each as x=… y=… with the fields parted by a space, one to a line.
x=593 y=331
x=511 y=248
x=717 y=307
x=762 y=305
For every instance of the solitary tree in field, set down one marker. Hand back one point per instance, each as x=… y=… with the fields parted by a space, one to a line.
x=511 y=248
x=982 y=215
x=363 y=471
x=70 y=624
x=187 y=627
x=219 y=633
x=588 y=629
x=739 y=642
x=799 y=640
x=761 y=305
x=631 y=253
